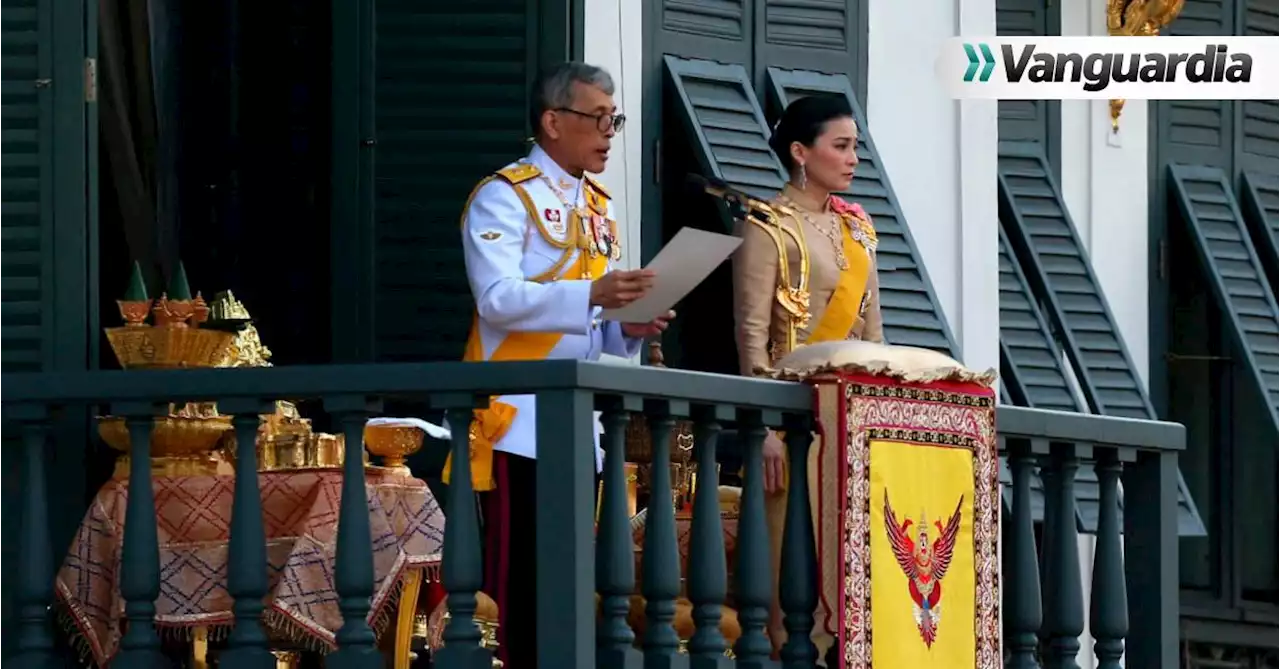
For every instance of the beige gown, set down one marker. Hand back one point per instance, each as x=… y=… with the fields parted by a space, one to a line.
x=772 y=318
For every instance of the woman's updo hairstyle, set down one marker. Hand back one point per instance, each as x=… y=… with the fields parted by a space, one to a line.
x=803 y=121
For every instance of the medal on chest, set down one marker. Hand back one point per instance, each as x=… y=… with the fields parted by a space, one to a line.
x=554 y=219
x=604 y=237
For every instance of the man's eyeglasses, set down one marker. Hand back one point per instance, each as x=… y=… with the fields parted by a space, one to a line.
x=604 y=121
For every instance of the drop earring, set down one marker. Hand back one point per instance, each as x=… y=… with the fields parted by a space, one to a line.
x=804 y=177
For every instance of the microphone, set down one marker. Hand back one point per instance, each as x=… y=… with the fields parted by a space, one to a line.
x=740 y=205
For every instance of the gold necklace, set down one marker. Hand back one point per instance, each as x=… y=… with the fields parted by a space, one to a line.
x=832 y=231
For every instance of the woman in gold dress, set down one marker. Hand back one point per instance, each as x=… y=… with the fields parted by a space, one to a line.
x=805 y=275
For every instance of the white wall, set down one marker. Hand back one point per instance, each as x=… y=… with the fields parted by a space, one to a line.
x=1104 y=181
x=940 y=156
x=615 y=44
x=618 y=50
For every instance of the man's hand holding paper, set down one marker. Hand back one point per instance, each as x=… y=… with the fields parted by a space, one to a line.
x=620 y=287
x=683 y=263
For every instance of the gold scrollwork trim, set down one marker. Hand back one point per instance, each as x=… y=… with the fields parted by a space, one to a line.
x=1137 y=18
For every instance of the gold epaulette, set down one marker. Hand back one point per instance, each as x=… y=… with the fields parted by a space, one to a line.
x=867 y=227
x=519 y=173
x=596 y=195
x=597 y=186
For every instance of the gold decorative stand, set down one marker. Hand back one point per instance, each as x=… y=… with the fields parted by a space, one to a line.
x=194 y=439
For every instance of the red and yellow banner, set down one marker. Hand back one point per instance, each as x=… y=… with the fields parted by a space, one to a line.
x=908 y=521
x=922 y=574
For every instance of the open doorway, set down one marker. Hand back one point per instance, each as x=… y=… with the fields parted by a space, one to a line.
x=214 y=150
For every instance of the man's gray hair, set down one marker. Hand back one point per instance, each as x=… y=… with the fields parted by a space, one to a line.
x=554 y=88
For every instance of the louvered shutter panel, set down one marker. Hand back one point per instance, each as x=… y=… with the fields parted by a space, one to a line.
x=1044 y=240
x=1032 y=356
x=1260 y=202
x=1236 y=277
x=27 y=168
x=432 y=153
x=720 y=113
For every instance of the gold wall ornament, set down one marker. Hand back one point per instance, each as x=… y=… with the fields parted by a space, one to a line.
x=1137 y=18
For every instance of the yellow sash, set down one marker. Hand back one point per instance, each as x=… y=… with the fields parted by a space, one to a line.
x=845 y=304
x=843 y=308
x=490 y=425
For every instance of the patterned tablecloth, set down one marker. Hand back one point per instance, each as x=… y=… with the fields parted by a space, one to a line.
x=300 y=514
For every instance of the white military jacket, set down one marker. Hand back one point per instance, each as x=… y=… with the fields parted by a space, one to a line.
x=503 y=250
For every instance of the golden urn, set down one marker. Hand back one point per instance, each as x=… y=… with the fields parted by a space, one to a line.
x=185 y=442
x=188 y=439
x=393 y=440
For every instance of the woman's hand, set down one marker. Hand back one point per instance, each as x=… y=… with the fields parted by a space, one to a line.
x=773 y=454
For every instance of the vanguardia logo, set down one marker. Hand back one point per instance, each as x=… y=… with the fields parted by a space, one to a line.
x=988 y=62
x=1098 y=70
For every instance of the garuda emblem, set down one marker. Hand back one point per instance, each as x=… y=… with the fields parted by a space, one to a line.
x=925 y=563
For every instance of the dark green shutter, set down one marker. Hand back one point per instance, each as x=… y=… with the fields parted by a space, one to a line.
x=26 y=250
x=912 y=314
x=826 y=36
x=1260 y=119
x=1260 y=201
x=1197 y=131
x=1235 y=276
x=1029 y=121
x=1027 y=348
x=720 y=112
x=1044 y=240
x=26 y=218
x=1031 y=364
x=1260 y=152
x=452 y=83
x=48 y=142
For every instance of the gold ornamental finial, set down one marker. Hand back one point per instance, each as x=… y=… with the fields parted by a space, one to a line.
x=135 y=305
x=226 y=307
x=1137 y=18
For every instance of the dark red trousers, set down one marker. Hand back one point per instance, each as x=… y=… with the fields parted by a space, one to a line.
x=510 y=557
x=510 y=567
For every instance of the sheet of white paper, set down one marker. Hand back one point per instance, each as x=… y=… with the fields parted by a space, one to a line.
x=679 y=267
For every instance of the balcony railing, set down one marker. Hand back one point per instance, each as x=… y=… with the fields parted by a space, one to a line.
x=1044 y=613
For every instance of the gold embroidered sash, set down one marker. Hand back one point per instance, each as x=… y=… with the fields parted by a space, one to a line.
x=491 y=424
x=845 y=305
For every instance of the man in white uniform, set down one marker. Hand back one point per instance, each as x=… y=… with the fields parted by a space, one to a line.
x=539 y=237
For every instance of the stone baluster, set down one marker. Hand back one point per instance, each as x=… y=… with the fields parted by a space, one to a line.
x=353 y=561
x=615 y=555
x=1022 y=607
x=798 y=590
x=462 y=570
x=708 y=573
x=247 y=645
x=661 y=583
x=754 y=580
x=1109 y=602
x=140 y=559
x=1064 y=621
x=34 y=585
